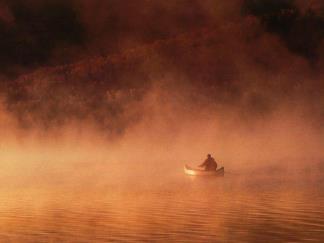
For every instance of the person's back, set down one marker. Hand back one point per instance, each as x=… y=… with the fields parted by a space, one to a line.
x=209 y=163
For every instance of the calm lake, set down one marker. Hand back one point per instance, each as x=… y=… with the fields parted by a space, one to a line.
x=90 y=203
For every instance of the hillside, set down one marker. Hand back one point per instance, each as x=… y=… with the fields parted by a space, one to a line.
x=209 y=65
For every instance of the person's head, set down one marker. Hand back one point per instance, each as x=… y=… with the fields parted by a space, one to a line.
x=208 y=155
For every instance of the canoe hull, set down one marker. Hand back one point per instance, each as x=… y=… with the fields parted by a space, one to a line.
x=199 y=172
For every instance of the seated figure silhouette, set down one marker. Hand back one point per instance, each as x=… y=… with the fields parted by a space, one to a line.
x=209 y=163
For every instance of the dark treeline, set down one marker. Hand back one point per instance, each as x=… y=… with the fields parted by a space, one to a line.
x=251 y=57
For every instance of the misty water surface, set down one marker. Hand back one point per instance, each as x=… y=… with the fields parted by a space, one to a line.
x=101 y=202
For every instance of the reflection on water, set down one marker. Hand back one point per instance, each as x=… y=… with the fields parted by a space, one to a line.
x=93 y=206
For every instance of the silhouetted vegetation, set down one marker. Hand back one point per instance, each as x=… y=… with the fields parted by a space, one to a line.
x=36 y=32
x=301 y=32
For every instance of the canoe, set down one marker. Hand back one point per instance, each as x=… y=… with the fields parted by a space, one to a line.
x=200 y=172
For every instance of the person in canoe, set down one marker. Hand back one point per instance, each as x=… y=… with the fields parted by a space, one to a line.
x=209 y=163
